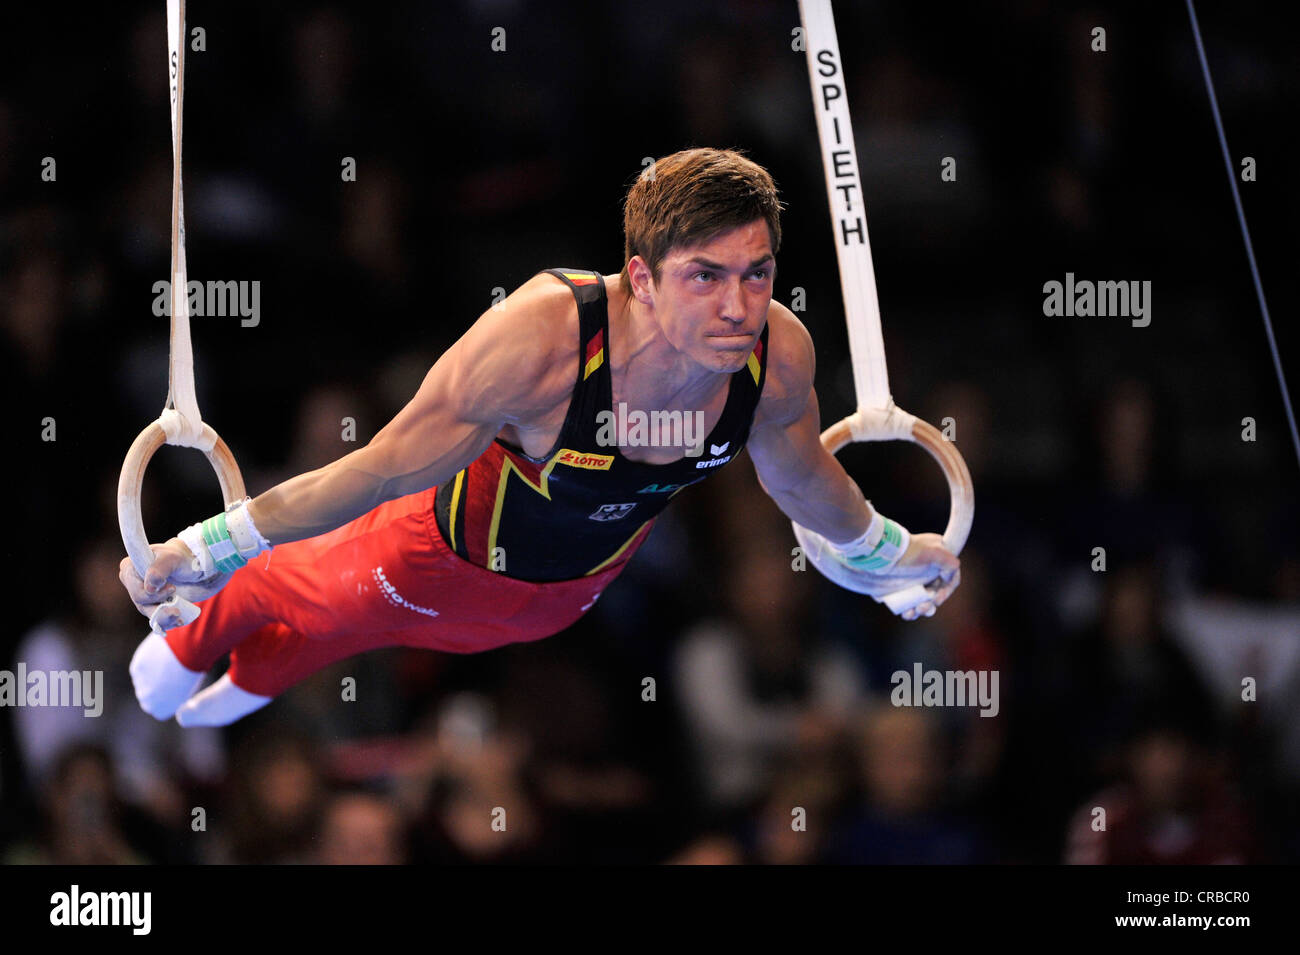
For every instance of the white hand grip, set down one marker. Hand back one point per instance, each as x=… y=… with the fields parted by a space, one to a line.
x=187 y=611
x=901 y=601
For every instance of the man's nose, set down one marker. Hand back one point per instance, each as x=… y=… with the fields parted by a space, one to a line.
x=732 y=305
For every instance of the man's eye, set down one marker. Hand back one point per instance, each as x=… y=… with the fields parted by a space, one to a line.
x=760 y=274
x=707 y=275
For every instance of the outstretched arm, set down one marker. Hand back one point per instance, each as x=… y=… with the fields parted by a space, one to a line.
x=806 y=481
x=489 y=378
x=502 y=370
x=793 y=466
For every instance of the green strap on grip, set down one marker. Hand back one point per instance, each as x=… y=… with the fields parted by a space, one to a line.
x=892 y=538
x=224 y=553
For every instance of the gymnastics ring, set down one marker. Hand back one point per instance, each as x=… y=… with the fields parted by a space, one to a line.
x=894 y=424
x=130 y=484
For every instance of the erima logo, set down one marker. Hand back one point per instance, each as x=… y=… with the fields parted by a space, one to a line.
x=713 y=463
x=715 y=449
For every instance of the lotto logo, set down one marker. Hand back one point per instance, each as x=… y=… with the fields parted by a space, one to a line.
x=579 y=459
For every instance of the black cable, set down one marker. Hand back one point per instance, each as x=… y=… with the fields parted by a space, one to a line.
x=1245 y=231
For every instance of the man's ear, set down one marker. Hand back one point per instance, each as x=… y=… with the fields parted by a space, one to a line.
x=643 y=283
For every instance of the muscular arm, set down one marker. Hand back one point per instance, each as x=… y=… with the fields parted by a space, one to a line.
x=795 y=470
x=807 y=482
x=502 y=370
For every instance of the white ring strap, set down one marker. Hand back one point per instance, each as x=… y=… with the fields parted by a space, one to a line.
x=185 y=426
x=877 y=417
x=180 y=422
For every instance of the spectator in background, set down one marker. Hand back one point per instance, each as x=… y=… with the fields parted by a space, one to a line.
x=153 y=761
x=592 y=749
x=1124 y=499
x=1172 y=807
x=975 y=641
x=83 y=816
x=1247 y=653
x=901 y=817
x=361 y=829
x=1126 y=665
x=791 y=825
x=710 y=848
x=277 y=793
x=473 y=803
x=330 y=420
x=755 y=683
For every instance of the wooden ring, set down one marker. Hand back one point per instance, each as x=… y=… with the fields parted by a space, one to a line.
x=131 y=482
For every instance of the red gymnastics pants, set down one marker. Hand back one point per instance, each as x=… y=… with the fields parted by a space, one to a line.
x=385 y=579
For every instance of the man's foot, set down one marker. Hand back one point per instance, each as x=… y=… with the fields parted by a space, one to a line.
x=220 y=705
x=165 y=688
x=162 y=683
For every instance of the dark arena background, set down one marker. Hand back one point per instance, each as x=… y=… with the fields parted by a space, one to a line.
x=1132 y=579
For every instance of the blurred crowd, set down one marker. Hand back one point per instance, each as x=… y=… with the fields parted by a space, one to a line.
x=1134 y=571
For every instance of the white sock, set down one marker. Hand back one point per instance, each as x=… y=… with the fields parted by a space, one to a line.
x=162 y=683
x=220 y=704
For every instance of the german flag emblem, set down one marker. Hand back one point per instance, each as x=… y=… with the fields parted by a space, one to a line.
x=595 y=354
x=755 y=361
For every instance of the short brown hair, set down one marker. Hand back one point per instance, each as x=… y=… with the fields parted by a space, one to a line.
x=691 y=196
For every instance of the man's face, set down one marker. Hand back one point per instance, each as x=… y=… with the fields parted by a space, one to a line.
x=711 y=299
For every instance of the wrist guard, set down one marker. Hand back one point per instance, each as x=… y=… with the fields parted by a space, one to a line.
x=877 y=550
x=226 y=542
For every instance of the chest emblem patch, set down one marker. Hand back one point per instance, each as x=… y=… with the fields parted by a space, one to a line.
x=612 y=512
